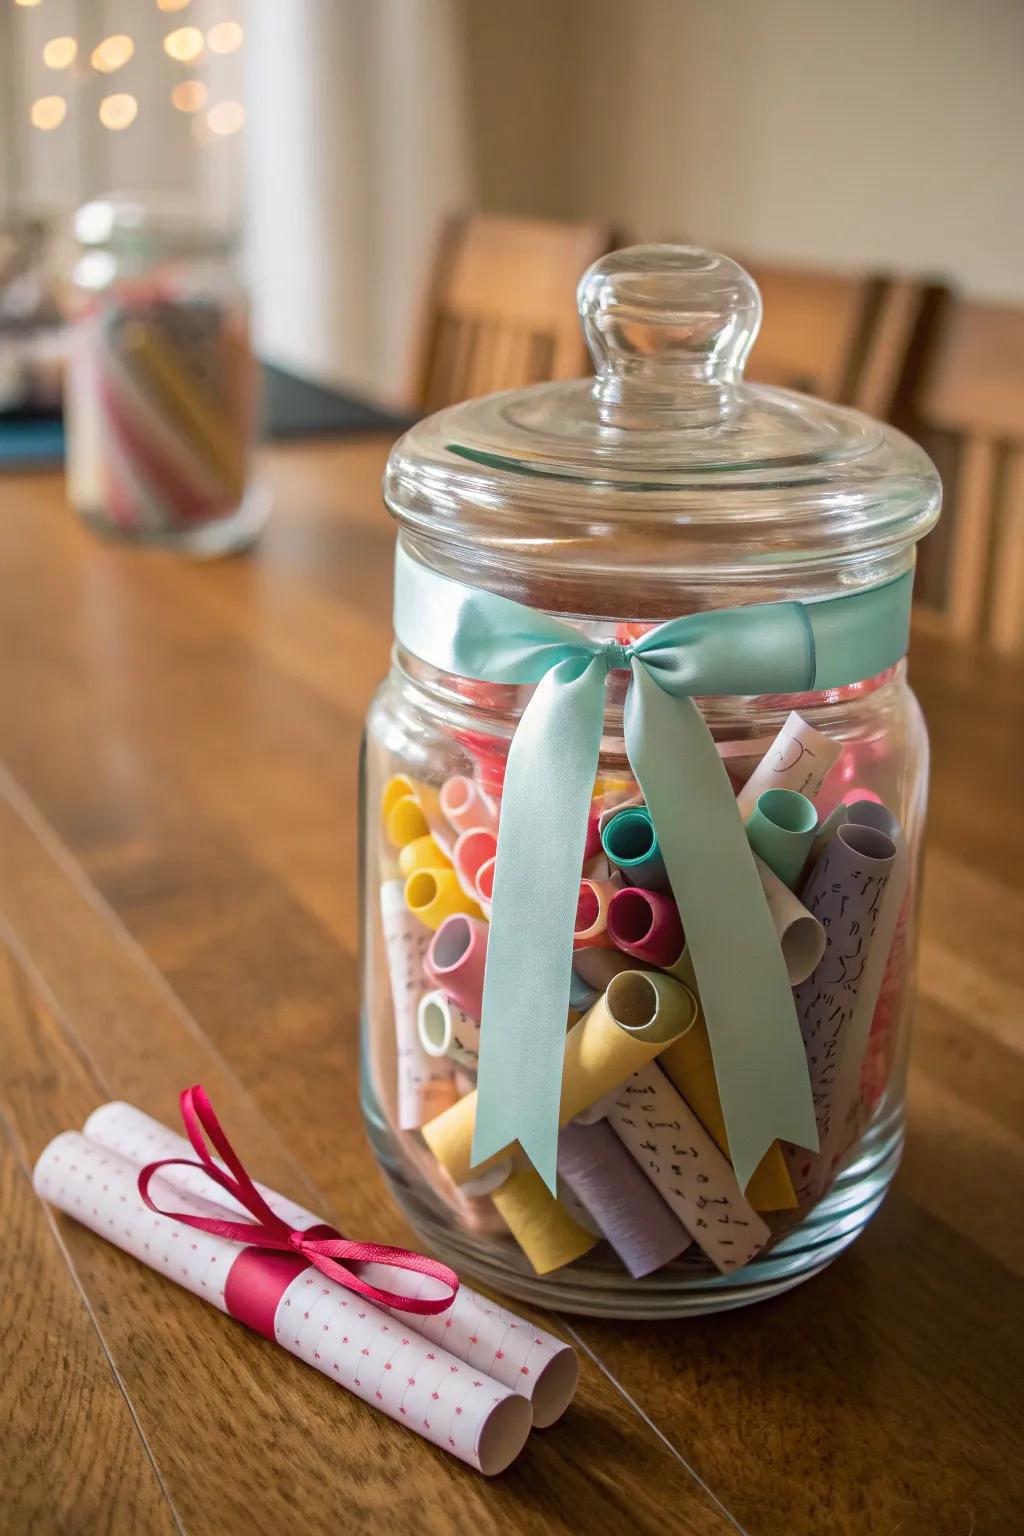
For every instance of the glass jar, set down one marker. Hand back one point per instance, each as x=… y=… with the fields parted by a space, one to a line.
x=664 y=487
x=162 y=397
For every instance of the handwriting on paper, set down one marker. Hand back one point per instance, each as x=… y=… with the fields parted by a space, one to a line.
x=689 y=1172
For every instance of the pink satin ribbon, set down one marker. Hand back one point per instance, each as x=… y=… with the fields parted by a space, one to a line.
x=324 y=1251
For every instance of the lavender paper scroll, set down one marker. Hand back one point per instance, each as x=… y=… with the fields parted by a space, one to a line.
x=845 y=893
x=629 y=1212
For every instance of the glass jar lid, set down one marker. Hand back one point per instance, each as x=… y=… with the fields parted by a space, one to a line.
x=666 y=463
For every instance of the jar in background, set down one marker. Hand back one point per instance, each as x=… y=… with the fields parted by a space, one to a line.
x=664 y=487
x=162 y=397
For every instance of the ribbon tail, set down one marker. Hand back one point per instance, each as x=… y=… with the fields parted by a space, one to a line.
x=759 y=1057
x=548 y=786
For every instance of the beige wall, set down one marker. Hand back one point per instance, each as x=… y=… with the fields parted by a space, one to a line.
x=887 y=132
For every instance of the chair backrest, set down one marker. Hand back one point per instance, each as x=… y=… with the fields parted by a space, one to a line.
x=501 y=309
x=853 y=338
x=972 y=393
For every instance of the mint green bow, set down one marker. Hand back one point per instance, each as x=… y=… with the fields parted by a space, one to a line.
x=790 y=647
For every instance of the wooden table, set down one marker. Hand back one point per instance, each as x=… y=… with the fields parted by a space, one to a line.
x=177 y=899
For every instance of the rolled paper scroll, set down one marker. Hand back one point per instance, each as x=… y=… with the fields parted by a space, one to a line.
x=689 y=1067
x=422 y=853
x=631 y=843
x=434 y=894
x=799 y=759
x=848 y=1123
x=827 y=829
x=834 y=1006
x=631 y=1215
x=476 y=1330
x=592 y=846
x=592 y=912
x=484 y=884
x=405 y=821
x=800 y=934
x=691 y=1175
x=473 y=849
x=596 y=967
x=780 y=830
x=646 y=924
x=380 y=1359
x=540 y=1224
x=581 y=994
x=466 y=807
x=446 y=1030
x=455 y=962
x=398 y=787
x=638 y=1016
x=425 y=1086
x=595 y=1112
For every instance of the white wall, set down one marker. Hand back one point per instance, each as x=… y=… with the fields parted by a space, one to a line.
x=884 y=132
x=358 y=147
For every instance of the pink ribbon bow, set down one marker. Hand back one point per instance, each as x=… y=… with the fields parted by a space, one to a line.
x=324 y=1251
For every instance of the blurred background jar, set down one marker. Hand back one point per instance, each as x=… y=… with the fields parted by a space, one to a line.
x=162 y=390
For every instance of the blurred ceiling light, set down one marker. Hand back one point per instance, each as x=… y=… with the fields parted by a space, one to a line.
x=171 y=5
x=184 y=45
x=112 y=53
x=48 y=112
x=225 y=37
x=226 y=117
x=189 y=95
x=59 y=52
x=26 y=3
x=117 y=112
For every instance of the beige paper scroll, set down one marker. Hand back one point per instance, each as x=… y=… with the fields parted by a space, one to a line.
x=799 y=758
x=801 y=936
x=425 y=1085
x=540 y=1224
x=686 y=1168
x=638 y=1016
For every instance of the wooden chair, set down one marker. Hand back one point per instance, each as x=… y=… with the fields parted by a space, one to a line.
x=972 y=395
x=855 y=339
x=501 y=309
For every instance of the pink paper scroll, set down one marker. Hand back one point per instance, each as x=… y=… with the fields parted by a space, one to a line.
x=385 y=1362
x=483 y=1335
x=455 y=962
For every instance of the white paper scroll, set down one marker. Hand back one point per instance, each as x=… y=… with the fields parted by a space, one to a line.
x=425 y=1083
x=799 y=758
x=690 y=1174
x=478 y=1331
x=846 y=891
x=445 y=1029
x=378 y=1358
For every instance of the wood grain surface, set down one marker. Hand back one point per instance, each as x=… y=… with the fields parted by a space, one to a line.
x=177 y=903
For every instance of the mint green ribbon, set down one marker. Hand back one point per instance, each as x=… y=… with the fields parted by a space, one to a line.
x=790 y=647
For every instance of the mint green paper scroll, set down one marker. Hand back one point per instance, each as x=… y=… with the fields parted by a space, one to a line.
x=781 y=829
x=769 y=648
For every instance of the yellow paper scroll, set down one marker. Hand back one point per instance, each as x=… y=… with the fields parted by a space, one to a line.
x=540 y=1224
x=638 y=1016
x=434 y=894
x=689 y=1067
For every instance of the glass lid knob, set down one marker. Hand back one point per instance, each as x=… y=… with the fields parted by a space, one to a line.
x=669 y=328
